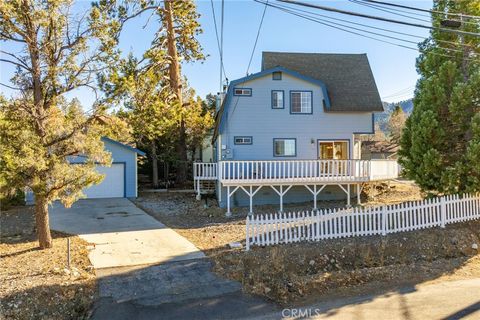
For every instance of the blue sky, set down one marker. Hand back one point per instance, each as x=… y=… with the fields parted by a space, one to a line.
x=393 y=67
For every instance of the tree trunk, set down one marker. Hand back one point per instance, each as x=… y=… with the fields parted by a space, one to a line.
x=182 y=155
x=154 y=158
x=176 y=87
x=43 y=227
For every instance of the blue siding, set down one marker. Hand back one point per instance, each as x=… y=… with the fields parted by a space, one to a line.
x=121 y=154
x=254 y=116
x=129 y=157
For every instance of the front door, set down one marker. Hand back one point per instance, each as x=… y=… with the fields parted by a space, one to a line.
x=333 y=150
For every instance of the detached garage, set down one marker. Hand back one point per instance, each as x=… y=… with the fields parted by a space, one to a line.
x=121 y=178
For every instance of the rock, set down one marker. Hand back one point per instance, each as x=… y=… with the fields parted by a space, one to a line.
x=267 y=290
x=311 y=262
x=235 y=245
x=475 y=246
x=66 y=271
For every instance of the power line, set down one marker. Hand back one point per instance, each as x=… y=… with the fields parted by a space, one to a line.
x=376 y=7
x=253 y=51
x=395 y=11
x=220 y=46
x=379 y=18
x=319 y=21
x=365 y=25
x=258 y=34
x=287 y=9
x=399 y=10
x=422 y=10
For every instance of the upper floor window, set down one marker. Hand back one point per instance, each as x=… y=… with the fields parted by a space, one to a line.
x=301 y=102
x=277 y=75
x=285 y=147
x=277 y=99
x=242 y=92
x=243 y=140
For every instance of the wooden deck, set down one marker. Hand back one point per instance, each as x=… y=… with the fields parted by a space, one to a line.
x=281 y=175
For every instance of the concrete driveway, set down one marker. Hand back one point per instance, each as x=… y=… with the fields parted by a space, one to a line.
x=122 y=234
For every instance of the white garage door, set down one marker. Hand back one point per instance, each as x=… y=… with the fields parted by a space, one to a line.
x=112 y=185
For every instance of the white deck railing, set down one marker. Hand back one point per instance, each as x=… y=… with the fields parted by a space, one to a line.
x=205 y=171
x=272 y=229
x=264 y=171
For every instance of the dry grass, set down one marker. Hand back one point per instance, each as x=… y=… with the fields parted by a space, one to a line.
x=35 y=283
x=298 y=272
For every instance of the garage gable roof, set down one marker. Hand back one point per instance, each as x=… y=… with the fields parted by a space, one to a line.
x=126 y=146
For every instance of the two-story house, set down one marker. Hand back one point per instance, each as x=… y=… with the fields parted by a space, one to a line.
x=292 y=131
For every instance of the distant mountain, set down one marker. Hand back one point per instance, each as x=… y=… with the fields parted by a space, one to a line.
x=382 y=118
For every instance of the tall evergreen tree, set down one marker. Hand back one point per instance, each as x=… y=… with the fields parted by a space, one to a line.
x=396 y=123
x=440 y=145
x=55 y=52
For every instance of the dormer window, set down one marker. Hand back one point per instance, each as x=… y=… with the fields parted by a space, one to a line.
x=277 y=75
x=242 y=92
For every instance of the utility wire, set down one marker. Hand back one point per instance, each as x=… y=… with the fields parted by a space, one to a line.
x=376 y=7
x=319 y=21
x=304 y=4
x=253 y=52
x=422 y=10
x=400 y=92
x=395 y=11
x=423 y=15
x=220 y=49
x=371 y=32
x=258 y=34
x=367 y=26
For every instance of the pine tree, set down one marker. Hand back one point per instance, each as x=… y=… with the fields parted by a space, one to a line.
x=55 y=52
x=440 y=143
x=396 y=123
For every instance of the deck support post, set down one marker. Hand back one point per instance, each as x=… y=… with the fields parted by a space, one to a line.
x=347 y=191
x=348 y=196
x=228 y=213
x=281 y=193
x=315 y=193
x=199 y=195
x=229 y=194
x=251 y=193
x=359 y=189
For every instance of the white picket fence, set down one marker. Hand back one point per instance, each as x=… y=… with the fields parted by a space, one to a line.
x=271 y=229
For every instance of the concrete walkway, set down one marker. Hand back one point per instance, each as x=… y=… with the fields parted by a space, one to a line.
x=122 y=234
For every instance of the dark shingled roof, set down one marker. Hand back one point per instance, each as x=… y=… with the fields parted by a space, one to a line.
x=348 y=77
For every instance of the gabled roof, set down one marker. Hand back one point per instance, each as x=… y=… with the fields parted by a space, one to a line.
x=348 y=77
x=219 y=117
x=126 y=146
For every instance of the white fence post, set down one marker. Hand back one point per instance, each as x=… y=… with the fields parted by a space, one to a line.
x=247 y=226
x=265 y=230
x=443 y=212
x=384 y=220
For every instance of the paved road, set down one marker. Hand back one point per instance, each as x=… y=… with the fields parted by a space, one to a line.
x=177 y=290
x=444 y=300
x=123 y=234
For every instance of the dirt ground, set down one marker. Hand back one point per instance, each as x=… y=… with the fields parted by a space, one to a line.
x=299 y=272
x=36 y=284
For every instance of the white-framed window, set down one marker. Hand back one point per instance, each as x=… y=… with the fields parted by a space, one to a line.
x=277 y=99
x=284 y=147
x=243 y=140
x=301 y=102
x=242 y=92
